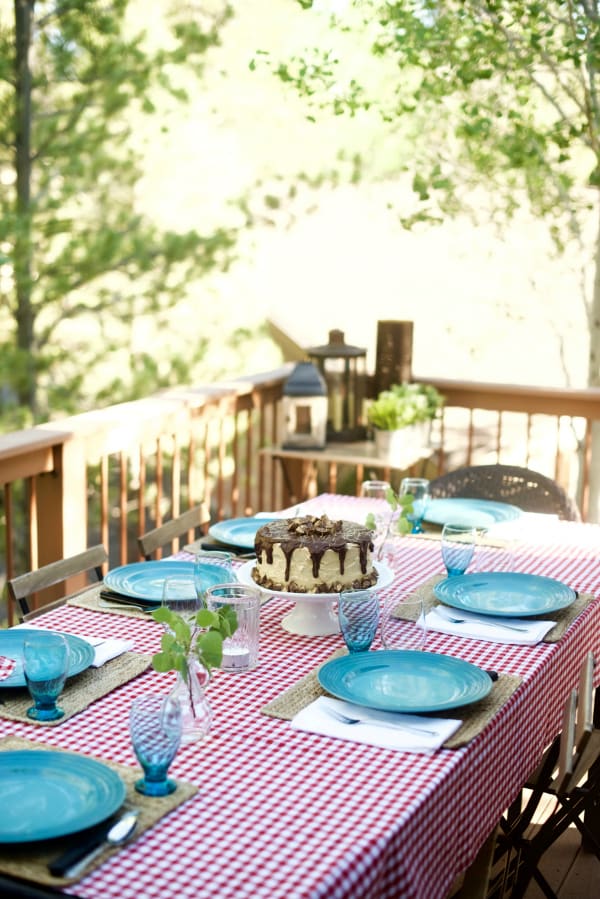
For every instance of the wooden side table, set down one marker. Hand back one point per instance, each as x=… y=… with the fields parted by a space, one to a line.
x=300 y=468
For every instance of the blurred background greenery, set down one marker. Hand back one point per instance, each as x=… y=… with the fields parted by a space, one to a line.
x=186 y=189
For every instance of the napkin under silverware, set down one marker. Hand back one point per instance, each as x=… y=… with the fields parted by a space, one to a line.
x=496 y=630
x=377 y=728
x=107 y=649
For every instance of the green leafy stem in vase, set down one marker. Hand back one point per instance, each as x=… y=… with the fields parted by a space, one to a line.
x=401 y=523
x=202 y=636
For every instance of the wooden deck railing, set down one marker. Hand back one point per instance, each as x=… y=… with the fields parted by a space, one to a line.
x=109 y=475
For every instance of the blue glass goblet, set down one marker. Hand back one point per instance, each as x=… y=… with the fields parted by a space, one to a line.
x=458 y=546
x=155 y=726
x=45 y=665
x=358 y=613
x=418 y=490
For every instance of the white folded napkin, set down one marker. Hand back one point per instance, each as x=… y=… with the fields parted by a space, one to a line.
x=107 y=649
x=384 y=729
x=490 y=628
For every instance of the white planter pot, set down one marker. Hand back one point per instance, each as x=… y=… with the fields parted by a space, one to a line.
x=404 y=447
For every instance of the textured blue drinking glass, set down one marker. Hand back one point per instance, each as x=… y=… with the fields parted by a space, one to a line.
x=458 y=546
x=155 y=727
x=358 y=613
x=45 y=665
x=418 y=490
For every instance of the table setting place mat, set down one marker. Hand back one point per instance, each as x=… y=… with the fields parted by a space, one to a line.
x=30 y=861
x=483 y=539
x=79 y=691
x=474 y=717
x=206 y=544
x=91 y=599
x=563 y=617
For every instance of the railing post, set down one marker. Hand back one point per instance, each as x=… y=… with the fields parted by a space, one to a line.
x=62 y=512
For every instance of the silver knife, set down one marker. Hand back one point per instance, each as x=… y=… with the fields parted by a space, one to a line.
x=72 y=862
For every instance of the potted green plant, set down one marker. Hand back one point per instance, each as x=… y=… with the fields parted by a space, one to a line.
x=401 y=420
x=192 y=649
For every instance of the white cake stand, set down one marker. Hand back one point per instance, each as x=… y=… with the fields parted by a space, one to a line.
x=313 y=614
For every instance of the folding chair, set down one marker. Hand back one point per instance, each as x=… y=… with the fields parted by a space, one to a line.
x=569 y=771
x=21 y=588
x=186 y=523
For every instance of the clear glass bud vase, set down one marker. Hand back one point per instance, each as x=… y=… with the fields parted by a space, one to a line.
x=196 y=712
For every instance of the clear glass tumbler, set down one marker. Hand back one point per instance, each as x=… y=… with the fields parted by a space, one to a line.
x=212 y=567
x=180 y=596
x=418 y=489
x=403 y=622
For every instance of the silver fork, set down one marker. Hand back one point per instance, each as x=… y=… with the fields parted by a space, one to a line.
x=345 y=719
x=444 y=613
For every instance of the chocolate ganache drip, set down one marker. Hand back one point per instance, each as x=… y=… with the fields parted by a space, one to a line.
x=317 y=535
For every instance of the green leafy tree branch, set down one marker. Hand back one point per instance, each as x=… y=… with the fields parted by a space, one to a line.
x=77 y=257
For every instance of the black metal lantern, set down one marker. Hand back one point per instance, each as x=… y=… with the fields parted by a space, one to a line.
x=304 y=408
x=344 y=370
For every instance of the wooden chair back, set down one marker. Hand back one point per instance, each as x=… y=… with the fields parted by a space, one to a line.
x=22 y=587
x=153 y=541
x=580 y=740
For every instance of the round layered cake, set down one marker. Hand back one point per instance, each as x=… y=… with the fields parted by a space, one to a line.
x=314 y=555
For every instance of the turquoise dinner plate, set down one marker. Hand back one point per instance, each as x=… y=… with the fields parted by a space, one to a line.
x=144 y=580
x=404 y=680
x=238 y=532
x=48 y=794
x=11 y=645
x=505 y=593
x=475 y=513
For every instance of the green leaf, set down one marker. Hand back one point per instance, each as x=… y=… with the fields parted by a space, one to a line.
x=209 y=649
x=207 y=618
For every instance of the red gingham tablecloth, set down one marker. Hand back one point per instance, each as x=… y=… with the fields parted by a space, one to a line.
x=286 y=814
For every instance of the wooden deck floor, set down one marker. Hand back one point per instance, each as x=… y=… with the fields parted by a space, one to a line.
x=571 y=872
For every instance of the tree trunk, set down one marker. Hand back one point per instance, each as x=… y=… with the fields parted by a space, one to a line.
x=26 y=384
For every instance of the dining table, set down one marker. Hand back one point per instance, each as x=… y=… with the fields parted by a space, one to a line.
x=277 y=812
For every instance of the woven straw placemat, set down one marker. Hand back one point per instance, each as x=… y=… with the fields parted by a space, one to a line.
x=30 y=861
x=474 y=717
x=482 y=539
x=80 y=691
x=564 y=617
x=90 y=600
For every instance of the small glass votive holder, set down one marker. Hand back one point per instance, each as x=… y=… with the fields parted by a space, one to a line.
x=240 y=651
x=358 y=614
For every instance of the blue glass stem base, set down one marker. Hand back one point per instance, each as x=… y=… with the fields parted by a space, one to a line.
x=52 y=713
x=155 y=787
